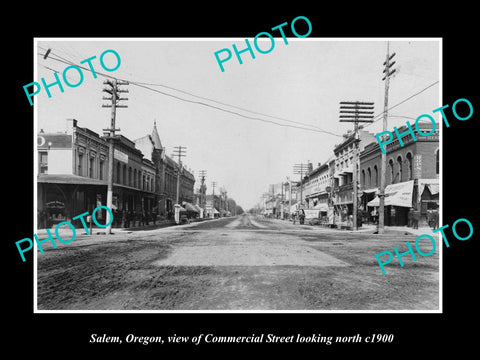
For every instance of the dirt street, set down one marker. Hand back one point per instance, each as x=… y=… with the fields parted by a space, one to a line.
x=238 y=263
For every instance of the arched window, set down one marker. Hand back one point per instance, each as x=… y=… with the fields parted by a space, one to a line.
x=391 y=171
x=130 y=176
x=124 y=175
x=375 y=174
x=134 y=177
x=437 y=161
x=399 y=162
x=409 y=166
x=369 y=177
x=363 y=179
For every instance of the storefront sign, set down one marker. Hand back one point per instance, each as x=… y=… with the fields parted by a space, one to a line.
x=120 y=156
x=417 y=166
x=54 y=141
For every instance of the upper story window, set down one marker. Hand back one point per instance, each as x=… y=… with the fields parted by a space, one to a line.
x=43 y=162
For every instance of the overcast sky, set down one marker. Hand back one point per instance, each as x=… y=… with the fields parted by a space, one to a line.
x=303 y=81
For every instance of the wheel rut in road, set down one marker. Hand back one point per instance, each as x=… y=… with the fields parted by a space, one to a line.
x=243 y=248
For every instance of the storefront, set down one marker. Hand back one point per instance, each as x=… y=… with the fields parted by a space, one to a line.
x=428 y=200
x=398 y=201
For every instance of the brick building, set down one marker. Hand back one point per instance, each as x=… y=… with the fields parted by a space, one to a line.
x=166 y=170
x=412 y=175
x=343 y=166
x=73 y=174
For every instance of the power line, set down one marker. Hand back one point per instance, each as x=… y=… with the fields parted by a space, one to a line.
x=147 y=86
x=139 y=84
x=233 y=106
x=401 y=102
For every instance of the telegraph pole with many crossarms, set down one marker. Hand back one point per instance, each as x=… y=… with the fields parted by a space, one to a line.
x=109 y=135
x=179 y=151
x=388 y=63
x=355 y=111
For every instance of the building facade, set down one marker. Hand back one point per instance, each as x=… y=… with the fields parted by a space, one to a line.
x=317 y=182
x=73 y=177
x=412 y=176
x=165 y=175
x=343 y=167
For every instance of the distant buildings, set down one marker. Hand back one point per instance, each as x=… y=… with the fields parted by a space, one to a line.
x=412 y=181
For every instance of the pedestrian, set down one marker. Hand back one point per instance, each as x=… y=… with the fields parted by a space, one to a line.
x=127 y=218
x=124 y=218
x=410 y=217
x=302 y=217
x=415 y=218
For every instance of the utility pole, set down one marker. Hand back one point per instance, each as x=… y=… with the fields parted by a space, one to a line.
x=202 y=174
x=301 y=169
x=356 y=112
x=179 y=151
x=109 y=135
x=289 y=194
x=214 y=183
x=388 y=63
x=281 y=203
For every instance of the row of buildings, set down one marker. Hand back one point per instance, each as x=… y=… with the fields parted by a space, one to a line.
x=73 y=176
x=412 y=181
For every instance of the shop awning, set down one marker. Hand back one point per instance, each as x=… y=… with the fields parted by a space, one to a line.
x=369 y=191
x=190 y=207
x=180 y=207
x=432 y=185
x=68 y=179
x=322 y=207
x=396 y=194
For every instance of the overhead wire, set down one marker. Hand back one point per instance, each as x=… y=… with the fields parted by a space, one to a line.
x=308 y=128
x=143 y=85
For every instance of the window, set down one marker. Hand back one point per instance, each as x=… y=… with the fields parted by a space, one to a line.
x=363 y=179
x=80 y=165
x=130 y=176
x=391 y=171
x=90 y=166
x=400 y=171
x=100 y=170
x=437 y=161
x=369 y=178
x=409 y=166
x=118 y=173
x=124 y=175
x=43 y=162
x=375 y=174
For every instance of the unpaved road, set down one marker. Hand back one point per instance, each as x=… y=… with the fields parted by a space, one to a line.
x=241 y=263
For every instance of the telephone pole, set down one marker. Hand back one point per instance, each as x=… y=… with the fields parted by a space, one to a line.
x=179 y=151
x=202 y=174
x=388 y=63
x=109 y=135
x=301 y=169
x=213 y=198
x=356 y=112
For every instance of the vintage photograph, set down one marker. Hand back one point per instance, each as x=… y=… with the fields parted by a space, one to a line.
x=237 y=175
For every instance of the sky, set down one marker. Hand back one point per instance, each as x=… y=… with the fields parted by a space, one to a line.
x=302 y=82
